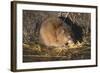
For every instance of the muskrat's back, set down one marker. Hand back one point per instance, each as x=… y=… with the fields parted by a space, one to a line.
x=52 y=32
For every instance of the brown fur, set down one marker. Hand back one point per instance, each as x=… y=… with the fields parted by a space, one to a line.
x=54 y=33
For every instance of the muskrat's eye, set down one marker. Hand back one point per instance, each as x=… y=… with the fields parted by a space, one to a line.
x=66 y=43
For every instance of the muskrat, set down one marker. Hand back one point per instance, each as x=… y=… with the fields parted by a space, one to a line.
x=54 y=32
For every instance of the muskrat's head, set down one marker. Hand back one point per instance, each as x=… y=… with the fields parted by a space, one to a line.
x=65 y=35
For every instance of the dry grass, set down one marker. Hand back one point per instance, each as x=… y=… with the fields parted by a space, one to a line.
x=37 y=52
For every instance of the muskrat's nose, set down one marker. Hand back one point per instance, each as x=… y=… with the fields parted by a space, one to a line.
x=70 y=40
x=69 y=37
